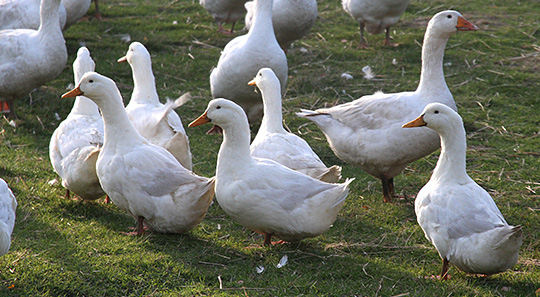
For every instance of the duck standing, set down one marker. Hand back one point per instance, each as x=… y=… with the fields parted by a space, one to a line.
x=367 y=132
x=457 y=215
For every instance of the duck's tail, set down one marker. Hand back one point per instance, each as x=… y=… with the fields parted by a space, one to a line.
x=332 y=175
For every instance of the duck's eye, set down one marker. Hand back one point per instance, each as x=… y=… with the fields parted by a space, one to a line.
x=218 y=107
x=91 y=81
x=449 y=16
x=436 y=112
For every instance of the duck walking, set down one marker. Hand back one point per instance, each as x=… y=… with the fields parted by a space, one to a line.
x=457 y=215
x=263 y=195
x=142 y=178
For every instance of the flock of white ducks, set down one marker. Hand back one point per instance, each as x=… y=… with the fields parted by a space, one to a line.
x=154 y=182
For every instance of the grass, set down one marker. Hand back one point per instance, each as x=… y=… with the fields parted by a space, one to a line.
x=71 y=248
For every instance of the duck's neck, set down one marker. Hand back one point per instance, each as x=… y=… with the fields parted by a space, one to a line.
x=432 y=75
x=84 y=106
x=118 y=127
x=452 y=161
x=234 y=149
x=144 y=90
x=273 y=118
x=262 y=27
x=49 y=18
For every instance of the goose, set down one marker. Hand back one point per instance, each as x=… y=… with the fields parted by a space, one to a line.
x=75 y=144
x=31 y=58
x=8 y=206
x=275 y=143
x=242 y=58
x=139 y=177
x=225 y=11
x=457 y=215
x=24 y=14
x=367 y=132
x=261 y=194
x=292 y=19
x=375 y=16
x=155 y=121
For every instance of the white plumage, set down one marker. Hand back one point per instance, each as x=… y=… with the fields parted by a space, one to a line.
x=8 y=206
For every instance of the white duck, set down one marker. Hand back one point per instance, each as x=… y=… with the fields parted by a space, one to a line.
x=157 y=122
x=275 y=143
x=142 y=178
x=292 y=19
x=75 y=144
x=367 y=132
x=75 y=10
x=458 y=216
x=375 y=16
x=263 y=195
x=8 y=206
x=242 y=58
x=30 y=58
x=24 y=14
x=225 y=11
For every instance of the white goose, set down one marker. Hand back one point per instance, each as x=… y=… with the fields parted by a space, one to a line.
x=292 y=19
x=274 y=143
x=30 y=58
x=157 y=122
x=375 y=16
x=458 y=216
x=75 y=144
x=367 y=132
x=263 y=195
x=8 y=206
x=242 y=58
x=141 y=178
x=225 y=11
x=24 y=14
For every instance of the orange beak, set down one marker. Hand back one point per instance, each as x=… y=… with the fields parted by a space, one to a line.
x=203 y=119
x=73 y=93
x=464 y=25
x=418 y=122
x=122 y=60
x=252 y=82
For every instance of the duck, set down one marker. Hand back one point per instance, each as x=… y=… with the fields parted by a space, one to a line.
x=30 y=58
x=225 y=11
x=76 y=143
x=292 y=19
x=8 y=206
x=263 y=195
x=367 y=132
x=375 y=16
x=157 y=122
x=75 y=10
x=275 y=143
x=457 y=215
x=242 y=58
x=141 y=178
x=24 y=14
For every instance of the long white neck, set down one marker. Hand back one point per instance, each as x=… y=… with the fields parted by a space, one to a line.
x=452 y=161
x=49 y=18
x=273 y=117
x=432 y=76
x=118 y=127
x=84 y=106
x=144 y=90
x=234 y=149
x=262 y=28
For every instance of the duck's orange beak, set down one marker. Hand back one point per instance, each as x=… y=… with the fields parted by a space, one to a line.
x=73 y=93
x=122 y=60
x=418 y=122
x=252 y=82
x=464 y=25
x=203 y=119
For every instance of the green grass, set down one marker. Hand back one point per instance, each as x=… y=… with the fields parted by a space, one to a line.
x=71 y=248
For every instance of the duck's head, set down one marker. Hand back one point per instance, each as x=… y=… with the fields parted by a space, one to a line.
x=436 y=116
x=94 y=86
x=83 y=63
x=449 y=22
x=136 y=52
x=223 y=113
x=265 y=77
